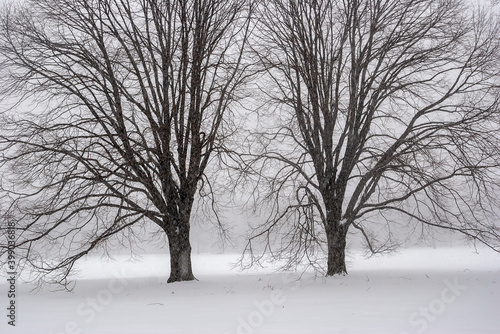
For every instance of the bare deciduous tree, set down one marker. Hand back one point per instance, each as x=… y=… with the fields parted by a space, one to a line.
x=376 y=110
x=130 y=99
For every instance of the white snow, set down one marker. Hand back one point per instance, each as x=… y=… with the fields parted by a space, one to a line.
x=447 y=290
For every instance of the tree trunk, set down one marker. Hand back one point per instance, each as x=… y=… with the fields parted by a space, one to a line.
x=336 y=239
x=180 y=254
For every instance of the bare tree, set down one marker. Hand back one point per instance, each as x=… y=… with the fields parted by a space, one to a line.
x=376 y=111
x=131 y=98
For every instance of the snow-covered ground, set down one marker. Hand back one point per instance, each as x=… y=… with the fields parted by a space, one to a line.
x=446 y=290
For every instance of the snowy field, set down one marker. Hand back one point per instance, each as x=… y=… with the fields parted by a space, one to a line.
x=446 y=290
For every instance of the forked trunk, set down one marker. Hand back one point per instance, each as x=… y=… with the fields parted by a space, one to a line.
x=336 y=238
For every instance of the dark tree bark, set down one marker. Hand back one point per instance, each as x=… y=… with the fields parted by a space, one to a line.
x=133 y=99
x=377 y=114
x=336 y=243
x=180 y=253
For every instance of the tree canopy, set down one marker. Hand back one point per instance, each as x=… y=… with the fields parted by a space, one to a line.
x=130 y=100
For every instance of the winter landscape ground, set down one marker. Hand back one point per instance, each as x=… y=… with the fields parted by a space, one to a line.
x=423 y=290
